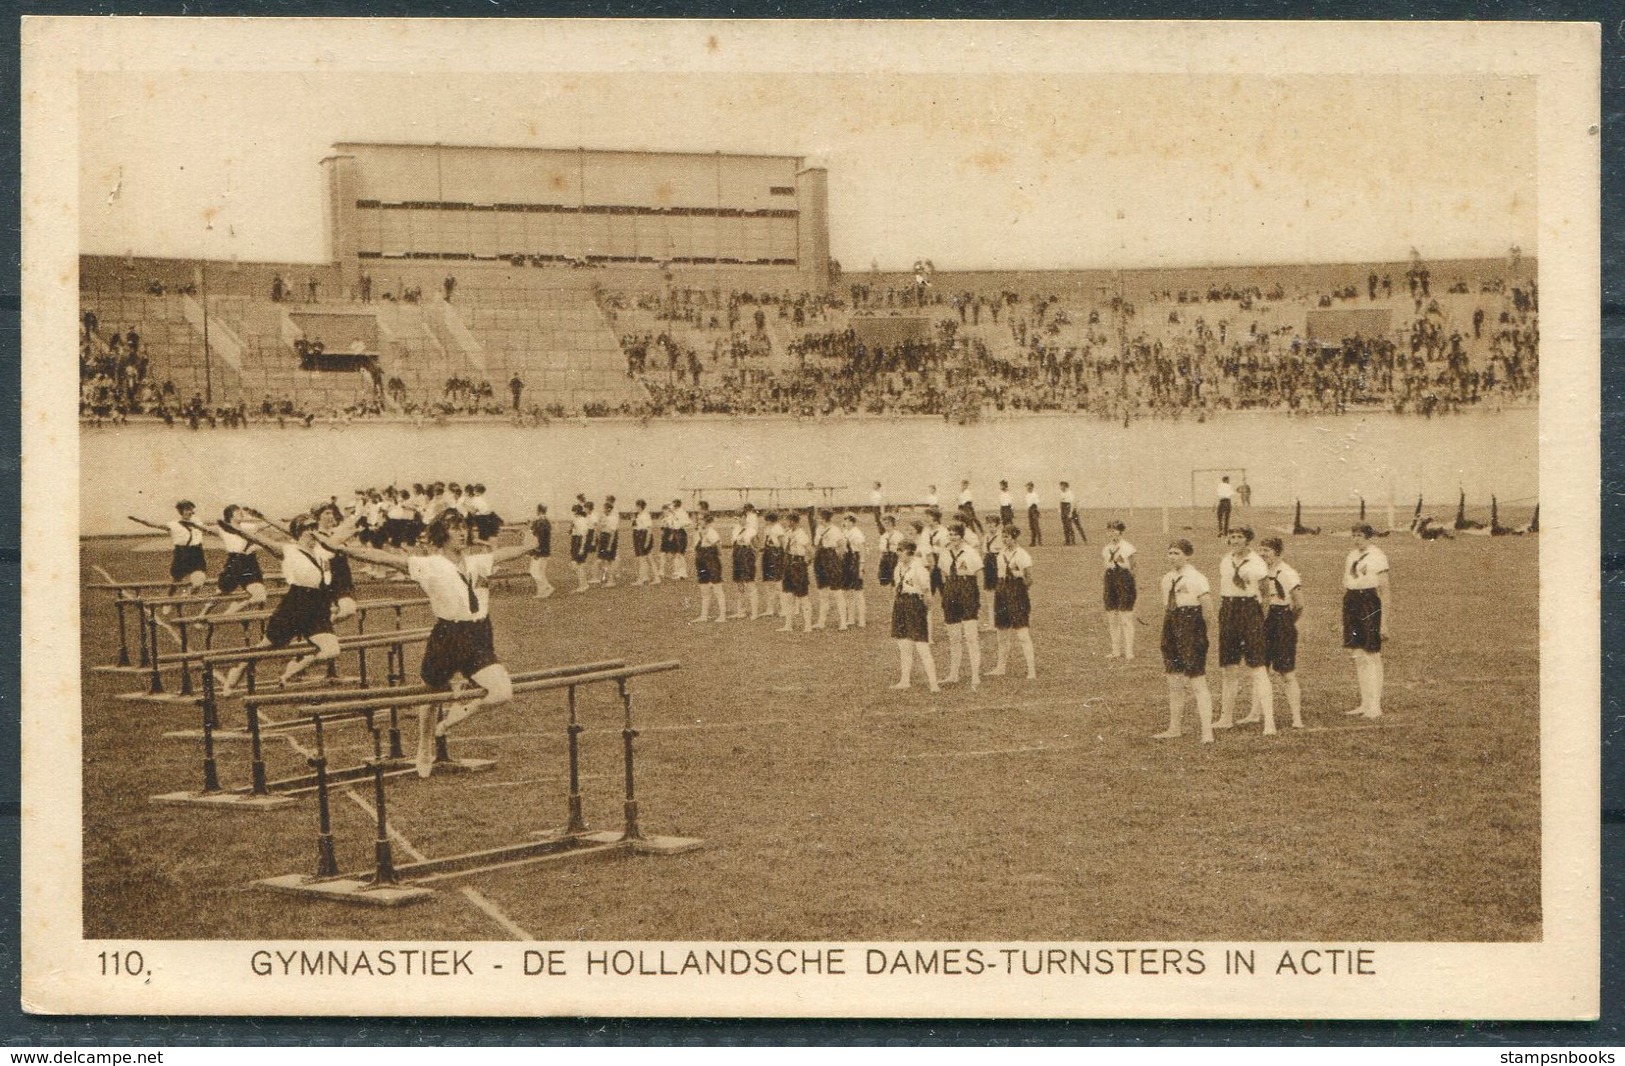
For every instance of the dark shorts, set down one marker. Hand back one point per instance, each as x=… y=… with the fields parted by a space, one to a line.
x=343 y=581
x=1281 y=640
x=1184 y=642
x=990 y=571
x=303 y=613
x=668 y=541
x=936 y=581
x=609 y=545
x=961 y=599
x=1011 y=606
x=679 y=541
x=457 y=648
x=772 y=564
x=578 y=548
x=242 y=569
x=827 y=568
x=1241 y=631
x=888 y=567
x=795 y=575
x=708 y=565
x=642 y=542
x=185 y=561
x=852 y=572
x=1121 y=592
x=908 y=618
x=1362 y=620
x=744 y=563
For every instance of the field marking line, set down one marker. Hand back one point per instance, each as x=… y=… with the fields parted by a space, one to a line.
x=493 y=912
x=685 y=727
x=556 y=778
x=1347 y=728
x=472 y=895
x=1057 y=704
x=1027 y=750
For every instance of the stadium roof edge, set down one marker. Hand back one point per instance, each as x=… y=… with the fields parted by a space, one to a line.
x=337 y=145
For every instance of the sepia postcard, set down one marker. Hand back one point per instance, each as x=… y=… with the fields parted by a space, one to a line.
x=824 y=519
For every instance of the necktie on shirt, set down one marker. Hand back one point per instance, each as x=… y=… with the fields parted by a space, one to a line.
x=1115 y=561
x=1354 y=567
x=322 y=576
x=473 y=600
x=1235 y=574
x=1172 y=589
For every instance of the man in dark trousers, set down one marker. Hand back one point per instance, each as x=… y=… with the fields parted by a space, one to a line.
x=517 y=387
x=1071 y=525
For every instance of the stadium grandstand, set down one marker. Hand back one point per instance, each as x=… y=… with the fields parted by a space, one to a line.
x=541 y=283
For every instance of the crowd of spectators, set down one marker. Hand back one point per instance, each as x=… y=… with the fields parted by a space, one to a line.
x=1184 y=352
x=1174 y=353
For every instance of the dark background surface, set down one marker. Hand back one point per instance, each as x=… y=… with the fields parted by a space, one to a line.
x=19 y=1030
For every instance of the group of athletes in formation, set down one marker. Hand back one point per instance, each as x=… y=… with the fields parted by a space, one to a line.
x=979 y=576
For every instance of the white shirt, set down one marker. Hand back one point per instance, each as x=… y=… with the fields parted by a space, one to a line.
x=964 y=496
x=447 y=584
x=855 y=540
x=475 y=505
x=681 y=520
x=936 y=545
x=1117 y=556
x=831 y=537
x=183 y=535
x=1188 y=586
x=1238 y=578
x=931 y=499
x=1004 y=499
x=235 y=544
x=1015 y=562
x=889 y=540
x=964 y=561
x=1067 y=497
x=307 y=569
x=1032 y=499
x=1225 y=490
x=1279 y=583
x=641 y=521
x=709 y=537
x=745 y=530
x=579 y=524
x=799 y=542
x=915 y=578
x=875 y=498
x=610 y=522
x=776 y=535
x=1364 y=567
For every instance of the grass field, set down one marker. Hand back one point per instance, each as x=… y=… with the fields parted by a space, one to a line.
x=833 y=808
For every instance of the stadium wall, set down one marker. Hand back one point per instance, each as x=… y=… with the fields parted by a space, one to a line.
x=1327 y=461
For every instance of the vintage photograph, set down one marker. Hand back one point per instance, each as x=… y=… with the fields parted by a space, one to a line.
x=793 y=518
